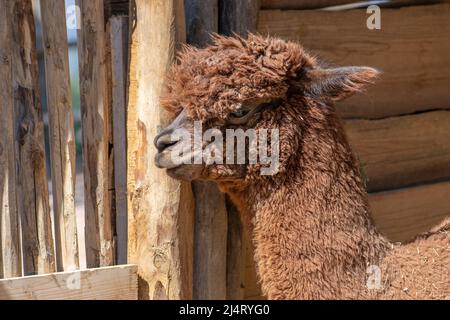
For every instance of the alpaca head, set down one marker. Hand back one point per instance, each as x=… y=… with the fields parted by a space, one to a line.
x=270 y=86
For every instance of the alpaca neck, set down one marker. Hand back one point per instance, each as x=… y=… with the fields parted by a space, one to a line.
x=311 y=229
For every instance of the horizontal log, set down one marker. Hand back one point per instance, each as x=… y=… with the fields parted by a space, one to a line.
x=301 y=4
x=411 y=49
x=318 y=4
x=404 y=213
x=107 y=283
x=401 y=151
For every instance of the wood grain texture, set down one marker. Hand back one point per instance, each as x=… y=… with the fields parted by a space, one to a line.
x=402 y=151
x=317 y=4
x=235 y=253
x=10 y=255
x=108 y=283
x=62 y=137
x=404 y=213
x=119 y=62
x=411 y=49
x=32 y=188
x=202 y=18
x=301 y=4
x=161 y=209
x=210 y=260
x=237 y=16
x=94 y=95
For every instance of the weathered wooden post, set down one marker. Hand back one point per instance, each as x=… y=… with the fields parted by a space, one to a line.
x=10 y=259
x=32 y=191
x=210 y=267
x=119 y=62
x=62 y=136
x=160 y=209
x=95 y=89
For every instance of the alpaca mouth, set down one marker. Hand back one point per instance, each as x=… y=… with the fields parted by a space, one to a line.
x=175 y=169
x=163 y=160
x=185 y=172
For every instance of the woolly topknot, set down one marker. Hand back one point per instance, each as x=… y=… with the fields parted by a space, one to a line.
x=213 y=81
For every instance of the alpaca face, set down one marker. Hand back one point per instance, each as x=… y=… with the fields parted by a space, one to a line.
x=260 y=86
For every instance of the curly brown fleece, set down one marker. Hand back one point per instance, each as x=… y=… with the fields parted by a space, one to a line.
x=310 y=223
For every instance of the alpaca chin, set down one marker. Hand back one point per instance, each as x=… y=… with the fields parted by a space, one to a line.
x=185 y=172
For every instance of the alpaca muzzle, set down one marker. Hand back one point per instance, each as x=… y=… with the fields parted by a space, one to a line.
x=166 y=140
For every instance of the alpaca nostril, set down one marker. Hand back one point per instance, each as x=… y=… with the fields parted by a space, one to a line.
x=164 y=141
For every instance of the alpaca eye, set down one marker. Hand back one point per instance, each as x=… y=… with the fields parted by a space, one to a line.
x=239 y=114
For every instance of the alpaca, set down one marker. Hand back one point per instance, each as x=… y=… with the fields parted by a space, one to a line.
x=310 y=224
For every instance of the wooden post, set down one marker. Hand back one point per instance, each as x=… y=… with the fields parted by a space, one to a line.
x=10 y=259
x=160 y=209
x=202 y=18
x=238 y=17
x=32 y=189
x=119 y=62
x=62 y=137
x=95 y=105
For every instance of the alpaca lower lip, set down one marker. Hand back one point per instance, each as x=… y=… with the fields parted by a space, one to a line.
x=163 y=161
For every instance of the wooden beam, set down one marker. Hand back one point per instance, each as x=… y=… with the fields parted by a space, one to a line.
x=301 y=4
x=404 y=213
x=161 y=216
x=119 y=63
x=319 y=4
x=210 y=262
x=108 y=283
x=210 y=253
x=410 y=36
x=94 y=95
x=10 y=256
x=202 y=18
x=32 y=188
x=238 y=16
x=62 y=136
x=401 y=151
x=235 y=253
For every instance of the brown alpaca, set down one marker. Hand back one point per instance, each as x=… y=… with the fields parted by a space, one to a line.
x=310 y=222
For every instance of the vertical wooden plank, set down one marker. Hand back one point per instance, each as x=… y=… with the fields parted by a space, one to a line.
x=94 y=97
x=119 y=62
x=235 y=253
x=210 y=243
x=10 y=259
x=210 y=268
x=161 y=209
x=238 y=16
x=32 y=189
x=202 y=18
x=62 y=137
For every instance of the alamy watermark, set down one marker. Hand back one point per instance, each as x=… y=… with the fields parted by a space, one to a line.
x=374 y=278
x=251 y=146
x=73 y=17
x=374 y=20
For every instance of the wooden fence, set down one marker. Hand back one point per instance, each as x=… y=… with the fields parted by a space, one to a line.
x=34 y=241
x=187 y=240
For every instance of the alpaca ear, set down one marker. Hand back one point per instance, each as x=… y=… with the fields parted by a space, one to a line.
x=337 y=83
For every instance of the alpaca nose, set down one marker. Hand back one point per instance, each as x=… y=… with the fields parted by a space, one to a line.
x=164 y=140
